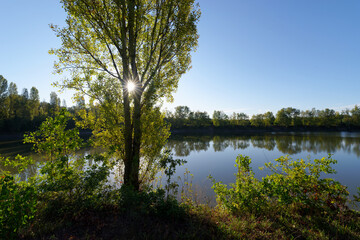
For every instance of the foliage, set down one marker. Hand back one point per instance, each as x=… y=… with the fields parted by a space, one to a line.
x=286 y=118
x=18 y=203
x=108 y=135
x=169 y=164
x=64 y=176
x=245 y=194
x=73 y=190
x=219 y=118
x=53 y=139
x=296 y=184
x=301 y=182
x=18 y=200
x=25 y=112
x=107 y=45
x=65 y=184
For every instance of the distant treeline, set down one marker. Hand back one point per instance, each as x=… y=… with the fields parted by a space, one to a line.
x=286 y=118
x=24 y=112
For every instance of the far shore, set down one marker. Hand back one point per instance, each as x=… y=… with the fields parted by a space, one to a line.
x=253 y=130
x=209 y=131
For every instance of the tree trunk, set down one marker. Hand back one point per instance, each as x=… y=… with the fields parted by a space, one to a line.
x=132 y=161
x=132 y=146
x=128 y=141
x=134 y=175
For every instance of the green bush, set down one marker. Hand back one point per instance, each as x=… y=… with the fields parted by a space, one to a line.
x=246 y=194
x=17 y=205
x=293 y=185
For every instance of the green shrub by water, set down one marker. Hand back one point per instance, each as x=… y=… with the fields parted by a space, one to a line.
x=295 y=183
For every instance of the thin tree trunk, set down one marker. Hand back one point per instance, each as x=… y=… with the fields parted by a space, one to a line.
x=134 y=175
x=128 y=141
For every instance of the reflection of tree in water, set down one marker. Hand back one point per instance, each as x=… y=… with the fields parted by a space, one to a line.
x=348 y=145
x=353 y=145
x=220 y=143
x=240 y=143
x=39 y=159
x=356 y=150
x=29 y=172
x=285 y=143
x=292 y=144
x=182 y=147
x=263 y=141
x=322 y=143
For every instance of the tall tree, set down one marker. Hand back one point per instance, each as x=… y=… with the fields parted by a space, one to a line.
x=54 y=102
x=80 y=102
x=25 y=94
x=127 y=54
x=34 y=102
x=3 y=102
x=219 y=118
x=268 y=119
x=64 y=103
x=257 y=120
x=13 y=89
x=34 y=94
x=3 y=86
x=13 y=100
x=355 y=116
x=24 y=108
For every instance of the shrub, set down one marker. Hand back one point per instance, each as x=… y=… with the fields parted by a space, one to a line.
x=297 y=184
x=17 y=205
x=246 y=194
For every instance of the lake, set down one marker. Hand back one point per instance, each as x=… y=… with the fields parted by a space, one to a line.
x=216 y=155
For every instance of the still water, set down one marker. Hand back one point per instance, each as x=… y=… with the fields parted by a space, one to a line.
x=215 y=155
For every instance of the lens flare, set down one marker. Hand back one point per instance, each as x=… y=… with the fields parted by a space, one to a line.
x=130 y=86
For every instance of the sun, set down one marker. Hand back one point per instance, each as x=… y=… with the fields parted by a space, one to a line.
x=130 y=86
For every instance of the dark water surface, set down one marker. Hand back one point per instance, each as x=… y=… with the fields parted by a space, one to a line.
x=216 y=155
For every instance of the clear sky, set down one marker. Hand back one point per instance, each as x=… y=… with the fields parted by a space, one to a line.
x=253 y=55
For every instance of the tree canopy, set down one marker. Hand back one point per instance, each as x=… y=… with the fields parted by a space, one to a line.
x=108 y=45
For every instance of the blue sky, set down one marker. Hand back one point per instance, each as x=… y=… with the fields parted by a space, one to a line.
x=253 y=55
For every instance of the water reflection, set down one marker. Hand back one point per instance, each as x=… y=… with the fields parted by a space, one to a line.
x=285 y=143
x=184 y=146
x=11 y=149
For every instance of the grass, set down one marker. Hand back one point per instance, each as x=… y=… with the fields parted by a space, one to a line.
x=153 y=216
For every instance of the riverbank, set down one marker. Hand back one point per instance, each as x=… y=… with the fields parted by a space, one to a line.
x=254 y=130
x=85 y=134
x=144 y=216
